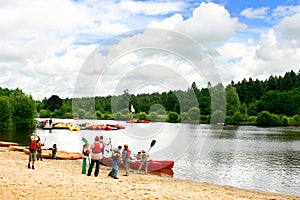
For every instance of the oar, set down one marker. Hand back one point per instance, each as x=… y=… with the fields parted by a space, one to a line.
x=152 y=144
x=84 y=140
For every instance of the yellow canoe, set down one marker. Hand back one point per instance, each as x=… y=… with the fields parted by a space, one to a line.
x=59 y=154
x=7 y=144
x=17 y=148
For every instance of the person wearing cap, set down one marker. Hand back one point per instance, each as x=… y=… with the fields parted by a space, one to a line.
x=126 y=159
x=144 y=161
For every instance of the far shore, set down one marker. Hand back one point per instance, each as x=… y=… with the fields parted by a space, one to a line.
x=62 y=179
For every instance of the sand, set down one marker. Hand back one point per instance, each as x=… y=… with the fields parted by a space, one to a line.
x=62 y=179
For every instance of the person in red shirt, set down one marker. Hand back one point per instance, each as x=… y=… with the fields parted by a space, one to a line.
x=32 y=151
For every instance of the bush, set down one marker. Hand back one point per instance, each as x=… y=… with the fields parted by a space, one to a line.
x=217 y=116
x=264 y=118
x=184 y=117
x=173 y=117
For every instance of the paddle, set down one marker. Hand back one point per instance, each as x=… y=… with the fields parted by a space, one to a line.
x=152 y=144
x=84 y=140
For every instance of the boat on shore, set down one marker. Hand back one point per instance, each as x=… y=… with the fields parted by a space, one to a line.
x=7 y=144
x=64 y=155
x=153 y=165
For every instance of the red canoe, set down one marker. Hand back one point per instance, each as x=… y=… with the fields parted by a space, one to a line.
x=153 y=165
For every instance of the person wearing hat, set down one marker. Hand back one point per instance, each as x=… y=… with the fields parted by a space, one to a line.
x=126 y=159
x=144 y=161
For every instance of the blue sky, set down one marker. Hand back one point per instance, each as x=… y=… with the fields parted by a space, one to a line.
x=47 y=47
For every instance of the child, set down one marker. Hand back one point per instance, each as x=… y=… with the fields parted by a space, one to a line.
x=144 y=161
x=39 y=150
x=32 y=151
x=126 y=159
x=85 y=155
x=138 y=156
x=54 y=150
x=116 y=157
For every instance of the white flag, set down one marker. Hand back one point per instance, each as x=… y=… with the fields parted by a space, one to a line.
x=132 y=109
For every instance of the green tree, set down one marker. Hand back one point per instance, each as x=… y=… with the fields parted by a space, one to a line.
x=232 y=100
x=54 y=103
x=24 y=111
x=5 y=113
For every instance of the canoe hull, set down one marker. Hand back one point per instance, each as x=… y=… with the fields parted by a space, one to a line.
x=64 y=155
x=153 y=165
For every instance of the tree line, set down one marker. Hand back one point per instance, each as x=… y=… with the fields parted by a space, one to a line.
x=274 y=101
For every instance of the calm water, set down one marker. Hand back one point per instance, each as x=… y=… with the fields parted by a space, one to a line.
x=266 y=159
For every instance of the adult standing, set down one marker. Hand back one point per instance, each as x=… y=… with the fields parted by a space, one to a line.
x=96 y=156
x=126 y=159
x=32 y=151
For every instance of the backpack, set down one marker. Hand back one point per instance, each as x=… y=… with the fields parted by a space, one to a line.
x=98 y=147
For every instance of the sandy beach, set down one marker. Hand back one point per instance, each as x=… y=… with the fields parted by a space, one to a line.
x=62 y=179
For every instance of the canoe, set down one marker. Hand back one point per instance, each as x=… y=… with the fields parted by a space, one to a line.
x=153 y=165
x=17 y=148
x=64 y=155
x=7 y=144
x=68 y=155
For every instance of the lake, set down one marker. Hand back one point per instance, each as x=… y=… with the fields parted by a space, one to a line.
x=251 y=157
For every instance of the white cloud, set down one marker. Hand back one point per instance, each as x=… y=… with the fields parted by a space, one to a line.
x=289 y=27
x=152 y=7
x=255 y=13
x=168 y=23
x=43 y=45
x=210 y=24
x=113 y=28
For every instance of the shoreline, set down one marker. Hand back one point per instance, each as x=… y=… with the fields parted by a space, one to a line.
x=61 y=179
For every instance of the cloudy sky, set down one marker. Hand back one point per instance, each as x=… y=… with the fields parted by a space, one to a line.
x=102 y=47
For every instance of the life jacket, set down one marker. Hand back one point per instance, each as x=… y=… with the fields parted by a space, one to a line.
x=33 y=145
x=126 y=153
x=98 y=147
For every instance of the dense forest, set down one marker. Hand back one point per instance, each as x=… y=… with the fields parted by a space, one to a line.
x=275 y=101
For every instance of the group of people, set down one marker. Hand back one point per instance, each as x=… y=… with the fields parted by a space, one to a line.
x=35 y=150
x=97 y=150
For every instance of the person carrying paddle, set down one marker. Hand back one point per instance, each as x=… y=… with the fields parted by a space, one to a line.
x=32 y=151
x=85 y=156
x=96 y=155
x=126 y=159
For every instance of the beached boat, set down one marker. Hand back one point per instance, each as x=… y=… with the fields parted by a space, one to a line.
x=47 y=153
x=17 y=148
x=7 y=144
x=153 y=165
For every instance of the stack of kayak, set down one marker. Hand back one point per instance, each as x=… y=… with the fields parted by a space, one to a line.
x=153 y=165
x=134 y=121
x=104 y=127
x=70 y=126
